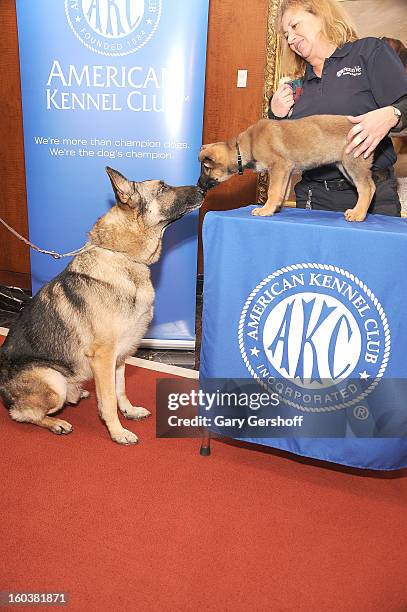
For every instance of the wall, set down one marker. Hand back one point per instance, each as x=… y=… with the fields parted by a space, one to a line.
x=379 y=18
x=14 y=255
x=236 y=40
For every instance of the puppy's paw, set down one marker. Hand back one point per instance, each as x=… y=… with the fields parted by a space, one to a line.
x=124 y=436
x=135 y=413
x=353 y=214
x=60 y=427
x=263 y=212
x=84 y=394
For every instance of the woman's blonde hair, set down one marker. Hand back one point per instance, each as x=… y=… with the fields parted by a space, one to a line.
x=336 y=27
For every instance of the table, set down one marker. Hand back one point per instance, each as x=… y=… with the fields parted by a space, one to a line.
x=306 y=298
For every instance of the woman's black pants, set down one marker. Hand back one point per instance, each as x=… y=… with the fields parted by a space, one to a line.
x=338 y=195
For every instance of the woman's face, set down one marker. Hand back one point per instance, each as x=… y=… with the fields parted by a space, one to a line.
x=302 y=31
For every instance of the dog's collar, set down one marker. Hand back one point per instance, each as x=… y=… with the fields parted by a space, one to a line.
x=239 y=159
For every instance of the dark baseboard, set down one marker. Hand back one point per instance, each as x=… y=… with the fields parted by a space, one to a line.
x=13 y=299
x=15 y=279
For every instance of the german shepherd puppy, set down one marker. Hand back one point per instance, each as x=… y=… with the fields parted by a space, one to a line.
x=86 y=321
x=282 y=147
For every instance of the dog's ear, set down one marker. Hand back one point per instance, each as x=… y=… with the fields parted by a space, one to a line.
x=208 y=162
x=124 y=190
x=202 y=150
x=203 y=154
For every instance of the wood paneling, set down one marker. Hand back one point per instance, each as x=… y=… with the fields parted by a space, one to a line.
x=236 y=40
x=14 y=255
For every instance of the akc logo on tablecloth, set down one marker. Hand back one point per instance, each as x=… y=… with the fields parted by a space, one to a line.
x=316 y=334
x=113 y=27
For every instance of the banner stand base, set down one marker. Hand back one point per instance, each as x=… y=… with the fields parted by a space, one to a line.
x=180 y=345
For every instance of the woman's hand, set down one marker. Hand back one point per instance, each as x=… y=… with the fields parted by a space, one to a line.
x=282 y=100
x=369 y=130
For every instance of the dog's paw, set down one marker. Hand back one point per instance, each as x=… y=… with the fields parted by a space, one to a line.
x=135 y=413
x=124 y=437
x=60 y=427
x=84 y=394
x=352 y=214
x=262 y=212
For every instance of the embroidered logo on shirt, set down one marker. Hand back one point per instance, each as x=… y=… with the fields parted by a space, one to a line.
x=355 y=71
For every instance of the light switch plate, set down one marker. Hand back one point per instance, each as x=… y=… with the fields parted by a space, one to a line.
x=242 y=78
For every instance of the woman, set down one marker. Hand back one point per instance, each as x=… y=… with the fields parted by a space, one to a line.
x=341 y=75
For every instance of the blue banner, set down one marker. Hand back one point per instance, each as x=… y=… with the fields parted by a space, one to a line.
x=118 y=83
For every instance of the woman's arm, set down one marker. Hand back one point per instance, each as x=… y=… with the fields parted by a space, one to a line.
x=401 y=104
x=372 y=127
x=388 y=83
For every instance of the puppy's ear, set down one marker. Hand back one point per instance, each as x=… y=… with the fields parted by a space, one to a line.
x=124 y=190
x=208 y=162
x=203 y=153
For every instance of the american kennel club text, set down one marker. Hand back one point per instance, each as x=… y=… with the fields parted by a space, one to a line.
x=316 y=334
x=114 y=88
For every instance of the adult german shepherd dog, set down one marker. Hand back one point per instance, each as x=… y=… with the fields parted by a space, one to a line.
x=86 y=321
x=284 y=147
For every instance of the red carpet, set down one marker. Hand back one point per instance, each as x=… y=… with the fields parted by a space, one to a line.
x=157 y=527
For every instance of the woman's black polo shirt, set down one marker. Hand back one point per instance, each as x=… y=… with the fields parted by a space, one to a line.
x=357 y=78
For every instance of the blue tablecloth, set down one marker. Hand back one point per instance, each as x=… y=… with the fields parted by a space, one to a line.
x=307 y=296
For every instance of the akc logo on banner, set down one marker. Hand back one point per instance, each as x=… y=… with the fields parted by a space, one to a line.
x=316 y=334
x=113 y=27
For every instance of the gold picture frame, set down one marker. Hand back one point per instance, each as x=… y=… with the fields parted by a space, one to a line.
x=272 y=74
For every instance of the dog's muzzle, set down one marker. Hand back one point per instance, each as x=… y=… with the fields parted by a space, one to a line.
x=198 y=198
x=205 y=183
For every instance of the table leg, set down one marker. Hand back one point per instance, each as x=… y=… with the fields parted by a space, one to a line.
x=205 y=449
